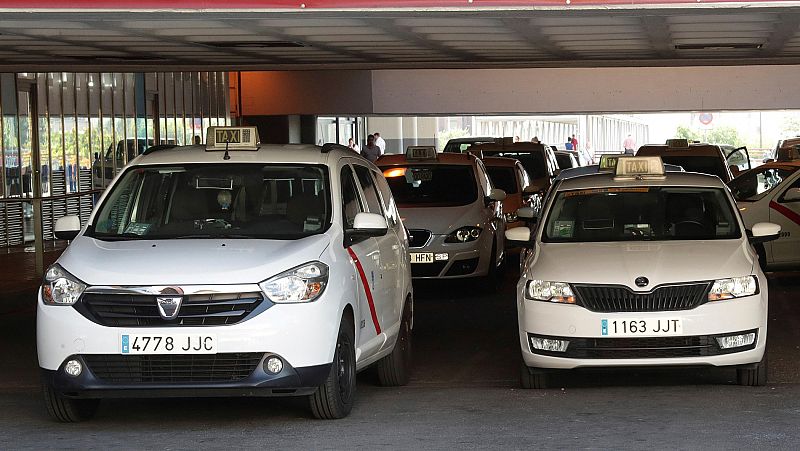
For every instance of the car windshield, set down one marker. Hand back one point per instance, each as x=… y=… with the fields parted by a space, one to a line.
x=533 y=162
x=215 y=201
x=755 y=184
x=436 y=185
x=564 y=161
x=503 y=177
x=701 y=164
x=640 y=213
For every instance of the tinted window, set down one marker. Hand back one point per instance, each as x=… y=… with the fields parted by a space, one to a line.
x=755 y=184
x=503 y=178
x=432 y=185
x=646 y=213
x=564 y=161
x=533 y=162
x=703 y=165
x=216 y=200
x=369 y=189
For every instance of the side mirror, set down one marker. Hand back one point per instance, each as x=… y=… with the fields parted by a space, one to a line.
x=497 y=194
x=763 y=232
x=366 y=225
x=67 y=227
x=792 y=195
x=519 y=236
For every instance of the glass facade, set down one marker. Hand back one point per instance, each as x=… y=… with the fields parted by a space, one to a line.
x=66 y=135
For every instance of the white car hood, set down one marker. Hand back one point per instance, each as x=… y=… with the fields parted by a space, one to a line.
x=622 y=263
x=186 y=261
x=442 y=220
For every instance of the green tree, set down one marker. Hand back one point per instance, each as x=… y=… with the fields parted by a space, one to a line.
x=686 y=133
x=724 y=135
x=450 y=134
x=790 y=127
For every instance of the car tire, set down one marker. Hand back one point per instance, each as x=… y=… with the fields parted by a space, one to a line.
x=535 y=378
x=334 y=398
x=754 y=376
x=68 y=410
x=394 y=369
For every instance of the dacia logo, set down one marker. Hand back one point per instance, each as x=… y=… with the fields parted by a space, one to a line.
x=169 y=306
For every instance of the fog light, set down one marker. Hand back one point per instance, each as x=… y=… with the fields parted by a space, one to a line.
x=736 y=341
x=549 y=344
x=273 y=365
x=73 y=368
x=441 y=257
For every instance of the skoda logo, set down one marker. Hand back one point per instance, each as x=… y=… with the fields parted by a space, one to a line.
x=641 y=282
x=169 y=305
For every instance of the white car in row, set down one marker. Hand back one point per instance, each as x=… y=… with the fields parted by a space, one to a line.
x=233 y=269
x=642 y=267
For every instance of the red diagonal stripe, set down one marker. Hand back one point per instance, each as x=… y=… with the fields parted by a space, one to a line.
x=789 y=213
x=366 y=290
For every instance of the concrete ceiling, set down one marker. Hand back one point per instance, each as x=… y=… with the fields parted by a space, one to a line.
x=218 y=40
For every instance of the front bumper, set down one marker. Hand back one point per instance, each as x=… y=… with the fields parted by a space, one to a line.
x=696 y=346
x=464 y=260
x=149 y=379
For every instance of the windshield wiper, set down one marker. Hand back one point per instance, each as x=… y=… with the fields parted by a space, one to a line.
x=208 y=235
x=119 y=237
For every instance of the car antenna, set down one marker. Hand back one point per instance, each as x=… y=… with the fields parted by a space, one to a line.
x=226 y=156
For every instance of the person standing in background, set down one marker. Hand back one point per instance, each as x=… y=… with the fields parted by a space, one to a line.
x=380 y=142
x=352 y=144
x=574 y=142
x=628 y=145
x=568 y=145
x=371 y=151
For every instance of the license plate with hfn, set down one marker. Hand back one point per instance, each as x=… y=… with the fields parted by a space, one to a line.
x=421 y=257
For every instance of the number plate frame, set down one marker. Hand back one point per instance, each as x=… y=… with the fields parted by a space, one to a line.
x=157 y=344
x=422 y=257
x=632 y=327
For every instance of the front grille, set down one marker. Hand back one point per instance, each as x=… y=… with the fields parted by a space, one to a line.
x=136 y=310
x=418 y=237
x=427 y=269
x=137 y=369
x=642 y=348
x=618 y=298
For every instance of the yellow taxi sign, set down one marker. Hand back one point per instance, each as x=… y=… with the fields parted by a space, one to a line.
x=678 y=143
x=421 y=153
x=232 y=138
x=639 y=167
x=608 y=163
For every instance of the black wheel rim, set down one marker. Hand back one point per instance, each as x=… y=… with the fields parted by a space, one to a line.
x=345 y=368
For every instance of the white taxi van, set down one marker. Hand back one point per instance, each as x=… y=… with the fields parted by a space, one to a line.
x=642 y=267
x=453 y=213
x=232 y=269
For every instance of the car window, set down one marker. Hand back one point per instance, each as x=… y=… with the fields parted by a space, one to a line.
x=483 y=177
x=564 y=161
x=523 y=176
x=432 y=185
x=392 y=216
x=369 y=189
x=503 y=177
x=754 y=185
x=702 y=164
x=533 y=162
x=640 y=213
x=351 y=204
x=213 y=200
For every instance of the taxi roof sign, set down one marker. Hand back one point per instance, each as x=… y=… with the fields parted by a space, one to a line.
x=421 y=153
x=608 y=163
x=639 y=168
x=678 y=143
x=232 y=138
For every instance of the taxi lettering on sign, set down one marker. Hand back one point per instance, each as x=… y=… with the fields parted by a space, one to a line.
x=227 y=135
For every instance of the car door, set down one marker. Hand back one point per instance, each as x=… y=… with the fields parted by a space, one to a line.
x=362 y=253
x=784 y=210
x=385 y=257
x=739 y=157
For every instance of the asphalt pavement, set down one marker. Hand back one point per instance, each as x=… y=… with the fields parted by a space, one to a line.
x=463 y=395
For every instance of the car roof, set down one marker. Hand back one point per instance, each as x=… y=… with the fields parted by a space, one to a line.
x=441 y=158
x=470 y=139
x=606 y=180
x=694 y=150
x=794 y=164
x=499 y=161
x=266 y=153
x=522 y=146
x=789 y=142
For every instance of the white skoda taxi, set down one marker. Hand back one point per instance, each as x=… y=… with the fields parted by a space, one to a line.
x=642 y=268
x=232 y=269
x=453 y=213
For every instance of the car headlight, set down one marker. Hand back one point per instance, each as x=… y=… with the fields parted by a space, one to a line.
x=511 y=217
x=464 y=235
x=543 y=290
x=304 y=283
x=60 y=287
x=734 y=287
